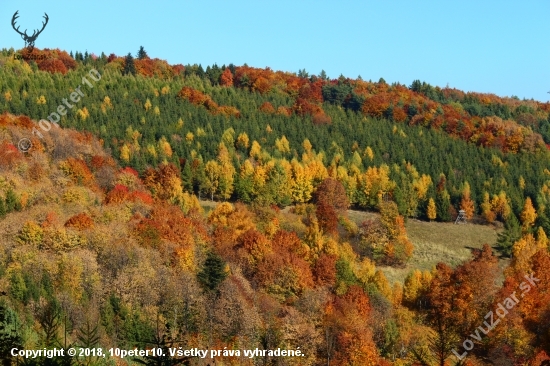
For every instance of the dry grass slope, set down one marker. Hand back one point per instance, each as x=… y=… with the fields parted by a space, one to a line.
x=436 y=242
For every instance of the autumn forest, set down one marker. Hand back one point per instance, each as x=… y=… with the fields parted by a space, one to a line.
x=216 y=208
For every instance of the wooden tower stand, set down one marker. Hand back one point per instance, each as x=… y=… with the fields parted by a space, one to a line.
x=461 y=217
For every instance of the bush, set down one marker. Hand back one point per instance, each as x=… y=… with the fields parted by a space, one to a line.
x=80 y=222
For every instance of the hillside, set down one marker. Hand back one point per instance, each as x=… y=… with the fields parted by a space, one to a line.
x=110 y=252
x=183 y=114
x=147 y=205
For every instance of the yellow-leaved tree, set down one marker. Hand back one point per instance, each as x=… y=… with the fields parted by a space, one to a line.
x=302 y=185
x=125 y=153
x=466 y=203
x=255 y=150
x=211 y=181
x=348 y=181
x=147 y=104
x=374 y=183
x=316 y=169
x=528 y=215
x=525 y=248
x=259 y=179
x=369 y=153
x=501 y=206
x=412 y=287
x=282 y=145
x=382 y=283
x=486 y=208
x=431 y=211
x=421 y=185
x=226 y=172
x=151 y=150
x=165 y=182
x=164 y=147
x=242 y=141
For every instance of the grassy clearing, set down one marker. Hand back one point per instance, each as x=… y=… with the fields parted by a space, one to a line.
x=208 y=206
x=436 y=242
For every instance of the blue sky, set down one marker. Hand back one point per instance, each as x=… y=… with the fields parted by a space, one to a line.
x=501 y=47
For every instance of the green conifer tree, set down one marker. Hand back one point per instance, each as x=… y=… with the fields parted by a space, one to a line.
x=9 y=338
x=244 y=187
x=213 y=272
x=129 y=67
x=142 y=54
x=511 y=234
x=12 y=202
x=277 y=186
x=3 y=209
x=442 y=205
x=187 y=177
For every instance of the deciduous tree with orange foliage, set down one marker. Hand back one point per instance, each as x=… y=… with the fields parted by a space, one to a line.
x=346 y=322
x=332 y=192
x=164 y=182
x=283 y=272
x=327 y=218
x=442 y=316
x=80 y=221
x=226 y=78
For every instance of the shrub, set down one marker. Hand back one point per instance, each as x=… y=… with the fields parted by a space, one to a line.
x=80 y=222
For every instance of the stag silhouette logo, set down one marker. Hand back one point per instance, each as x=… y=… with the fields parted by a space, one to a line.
x=29 y=40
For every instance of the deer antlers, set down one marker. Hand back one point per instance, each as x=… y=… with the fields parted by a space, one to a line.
x=29 y=40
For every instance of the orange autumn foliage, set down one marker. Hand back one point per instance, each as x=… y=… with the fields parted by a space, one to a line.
x=155 y=68
x=144 y=197
x=283 y=272
x=178 y=69
x=376 y=105
x=312 y=91
x=347 y=319
x=164 y=182
x=251 y=248
x=284 y=111
x=52 y=61
x=332 y=192
x=9 y=155
x=16 y=121
x=324 y=270
x=52 y=66
x=327 y=217
x=267 y=107
x=228 y=111
x=150 y=67
x=173 y=233
x=80 y=221
x=304 y=107
x=77 y=170
x=50 y=220
x=198 y=98
x=261 y=85
x=129 y=170
x=118 y=194
x=226 y=78
x=99 y=161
